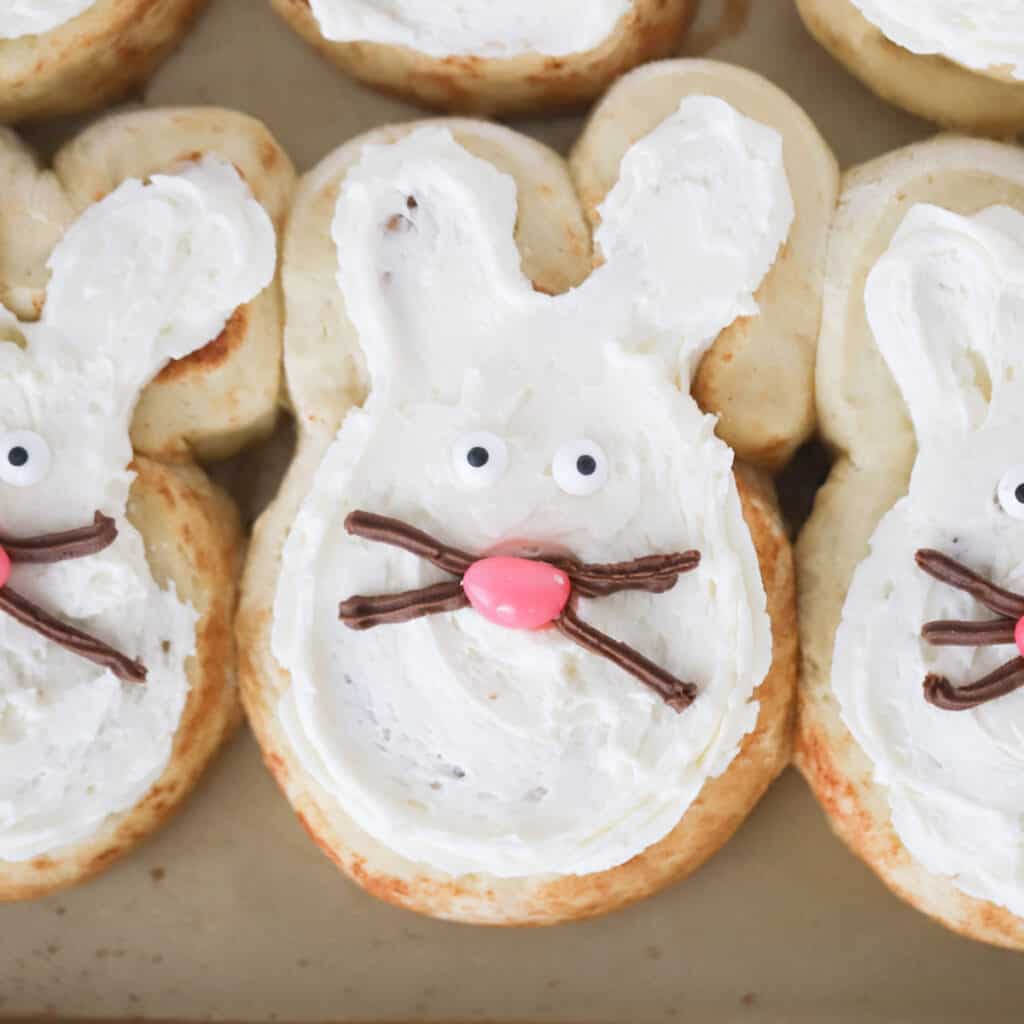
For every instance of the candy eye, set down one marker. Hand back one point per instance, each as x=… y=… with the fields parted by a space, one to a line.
x=24 y=458
x=479 y=459
x=1011 y=492
x=580 y=467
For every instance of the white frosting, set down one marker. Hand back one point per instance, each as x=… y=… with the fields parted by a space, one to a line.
x=473 y=27
x=34 y=17
x=979 y=34
x=946 y=306
x=150 y=273
x=455 y=742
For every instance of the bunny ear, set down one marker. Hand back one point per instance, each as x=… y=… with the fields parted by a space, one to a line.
x=944 y=303
x=428 y=264
x=153 y=271
x=695 y=221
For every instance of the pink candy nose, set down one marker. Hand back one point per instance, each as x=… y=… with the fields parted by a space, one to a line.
x=1018 y=635
x=5 y=567
x=516 y=592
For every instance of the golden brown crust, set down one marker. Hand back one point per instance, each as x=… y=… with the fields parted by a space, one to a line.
x=982 y=103
x=519 y=85
x=193 y=539
x=224 y=396
x=864 y=419
x=92 y=59
x=325 y=372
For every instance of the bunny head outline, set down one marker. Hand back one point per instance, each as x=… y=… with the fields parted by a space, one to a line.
x=935 y=707
x=510 y=422
x=150 y=273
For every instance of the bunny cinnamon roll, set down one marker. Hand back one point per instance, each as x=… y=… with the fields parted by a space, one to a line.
x=912 y=606
x=118 y=563
x=518 y=636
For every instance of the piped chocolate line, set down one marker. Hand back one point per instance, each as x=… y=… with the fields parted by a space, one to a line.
x=60 y=547
x=938 y=689
x=397 y=534
x=943 y=633
x=947 y=570
x=676 y=694
x=652 y=573
x=46 y=549
x=74 y=640
x=366 y=612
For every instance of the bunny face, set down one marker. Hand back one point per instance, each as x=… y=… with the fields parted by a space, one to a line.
x=946 y=306
x=502 y=420
x=150 y=273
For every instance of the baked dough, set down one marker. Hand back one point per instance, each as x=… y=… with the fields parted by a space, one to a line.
x=863 y=417
x=523 y=84
x=190 y=528
x=326 y=378
x=90 y=60
x=987 y=102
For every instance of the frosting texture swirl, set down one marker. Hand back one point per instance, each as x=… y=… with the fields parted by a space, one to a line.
x=472 y=27
x=979 y=34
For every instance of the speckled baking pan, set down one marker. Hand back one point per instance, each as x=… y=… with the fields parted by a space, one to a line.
x=231 y=913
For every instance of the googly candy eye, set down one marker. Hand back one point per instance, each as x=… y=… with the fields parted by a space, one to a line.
x=24 y=458
x=1010 y=492
x=479 y=459
x=580 y=467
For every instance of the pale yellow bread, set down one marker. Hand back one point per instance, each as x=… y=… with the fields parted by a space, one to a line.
x=91 y=60
x=989 y=102
x=523 y=84
x=325 y=373
x=863 y=417
x=193 y=540
x=223 y=396
x=209 y=403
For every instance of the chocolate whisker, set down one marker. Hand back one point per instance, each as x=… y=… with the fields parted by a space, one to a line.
x=940 y=692
x=676 y=694
x=361 y=612
x=397 y=534
x=652 y=573
x=947 y=570
x=648 y=567
x=74 y=640
x=945 y=633
x=59 y=547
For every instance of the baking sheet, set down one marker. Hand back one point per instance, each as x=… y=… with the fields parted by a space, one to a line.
x=231 y=913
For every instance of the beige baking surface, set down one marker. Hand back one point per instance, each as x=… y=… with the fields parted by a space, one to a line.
x=231 y=912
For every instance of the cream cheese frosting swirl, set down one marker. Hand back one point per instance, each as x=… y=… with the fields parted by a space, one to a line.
x=979 y=34
x=20 y=18
x=473 y=27
x=453 y=741
x=946 y=306
x=151 y=272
